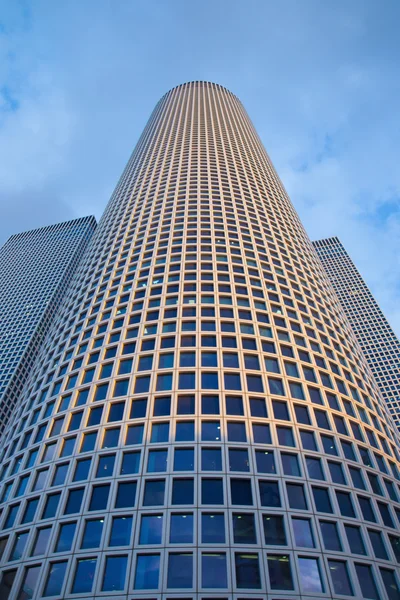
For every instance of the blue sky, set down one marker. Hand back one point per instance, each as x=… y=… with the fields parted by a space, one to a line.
x=320 y=80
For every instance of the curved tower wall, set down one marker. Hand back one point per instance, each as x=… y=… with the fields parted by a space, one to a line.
x=200 y=422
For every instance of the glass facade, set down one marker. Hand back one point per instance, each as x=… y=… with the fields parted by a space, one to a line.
x=36 y=268
x=200 y=423
x=370 y=326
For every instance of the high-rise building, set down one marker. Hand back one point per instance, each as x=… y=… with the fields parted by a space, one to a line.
x=36 y=268
x=372 y=330
x=200 y=422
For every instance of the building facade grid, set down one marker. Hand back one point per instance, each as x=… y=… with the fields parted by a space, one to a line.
x=200 y=421
x=377 y=339
x=36 y=268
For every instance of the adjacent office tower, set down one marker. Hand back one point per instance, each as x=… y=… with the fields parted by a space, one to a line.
x=372 y=330
x=200 y=422
x=36 y=268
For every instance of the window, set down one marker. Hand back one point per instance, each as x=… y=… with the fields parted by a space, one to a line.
x=244 y=531
x=181 y=528
x=147 y=571
x=28 y=585
x=180 y=570
x=20 y=541
x=182 y=491
x=314 y=468
x=269 y=493
x=330 y=536
x=274 y=530
x=114 y=573
x=184 y=431
x=159 y=432
x=99 y=498
x=184 y=459
x=303 y=534
x=157 y=461
x=345 y=504
x=130 y=463
x=120 y=531
x=126 y=494
x=55 y=579
x=247 y=571
x=212 y=491
x=280 y=410
x=238 y=459
x=211 y=459
x=290 y=465
x=322 y=500
x=186 y=405
x=105 y=466
x=340 y=577
x=154 y=492
x=241 y=491
x=74 y=501
x=296 y=496
x=210 y=431
x=92 y=533
x=265 y=461
x=213 y=569
x=212 y=528
x=310 y=575
x=355 y=540
x=390 y=583
x=65 y=537
x=84 y=576
x=236 y=431
x=261 y=434
x=151 y=529
x=210 y=405
x=378 y=544
x=285 y=436
x=366 y=581
x=280 y=575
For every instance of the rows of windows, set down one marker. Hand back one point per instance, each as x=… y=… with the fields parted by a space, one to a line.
x=200 y=400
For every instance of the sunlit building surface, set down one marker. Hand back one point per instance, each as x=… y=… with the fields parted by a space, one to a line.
x=372 y=330
x=200 y=422
x=36 y=268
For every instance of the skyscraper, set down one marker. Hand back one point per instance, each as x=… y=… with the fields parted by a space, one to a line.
x=36 y=268
x=372 y=330
x=200 y=422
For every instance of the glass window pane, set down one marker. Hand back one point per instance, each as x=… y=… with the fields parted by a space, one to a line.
x=154 y=492
x=28 y=586
x=55 y=579
x=212 y=528
x=330 y=536
x=147 y=571
x=303 y=533
x=280 y=575
x=340 y=577
x=181 y=529
x=151 y=529
x=92 y=533
x=367 y=582
x=213 y=570
x=244 y=530
x=274 y=530
x=114 y=573
x=211 y=459
x=180 y=570
x=247 y=570
x=84 y=576
x=121 y=531
x=310 y=576
x=65 y=537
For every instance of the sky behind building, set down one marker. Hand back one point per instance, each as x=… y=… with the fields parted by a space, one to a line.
x=319 y=81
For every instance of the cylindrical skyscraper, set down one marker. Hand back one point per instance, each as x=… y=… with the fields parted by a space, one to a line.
x=200 y=422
